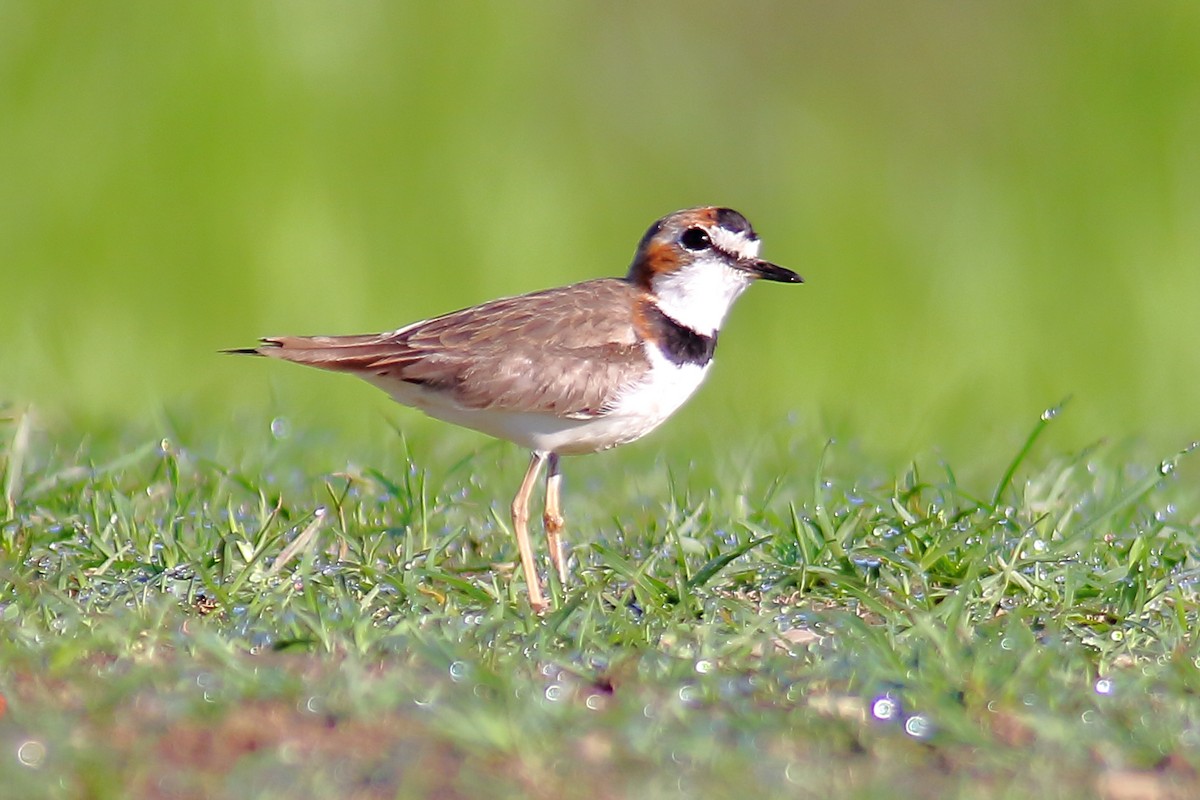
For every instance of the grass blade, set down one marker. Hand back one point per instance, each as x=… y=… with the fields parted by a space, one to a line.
x=715 y=565
x=1043 y=421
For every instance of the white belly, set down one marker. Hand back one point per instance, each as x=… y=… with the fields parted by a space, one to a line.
x=638 y=409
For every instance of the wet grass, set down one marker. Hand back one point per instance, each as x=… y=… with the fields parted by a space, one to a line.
x=221 y=619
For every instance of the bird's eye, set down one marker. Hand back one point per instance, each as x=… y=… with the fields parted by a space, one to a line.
x=695 y=239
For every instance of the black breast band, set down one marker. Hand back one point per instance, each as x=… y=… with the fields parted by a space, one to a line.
x=679 y=343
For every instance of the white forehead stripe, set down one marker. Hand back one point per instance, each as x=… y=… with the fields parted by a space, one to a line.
x=737 y=244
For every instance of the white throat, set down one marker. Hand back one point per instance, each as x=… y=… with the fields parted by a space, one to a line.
x=700 y=294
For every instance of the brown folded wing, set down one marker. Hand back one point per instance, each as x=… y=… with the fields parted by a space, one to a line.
x=561 y=351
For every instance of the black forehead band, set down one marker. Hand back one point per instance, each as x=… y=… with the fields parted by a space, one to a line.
x=734 y=222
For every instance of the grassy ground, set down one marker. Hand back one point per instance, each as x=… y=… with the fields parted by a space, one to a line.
x=220 y=619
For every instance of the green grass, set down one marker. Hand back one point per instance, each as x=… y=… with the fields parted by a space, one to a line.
x=223 y=618
x=992 y=204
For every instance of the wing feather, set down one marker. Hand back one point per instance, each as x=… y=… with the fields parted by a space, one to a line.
x=563 y=351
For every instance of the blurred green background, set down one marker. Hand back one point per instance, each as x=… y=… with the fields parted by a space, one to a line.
x=995 y=204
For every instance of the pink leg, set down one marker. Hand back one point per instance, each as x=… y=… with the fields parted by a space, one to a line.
x=520 y=519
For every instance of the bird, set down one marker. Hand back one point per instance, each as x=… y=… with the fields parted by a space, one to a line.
x=570 y=370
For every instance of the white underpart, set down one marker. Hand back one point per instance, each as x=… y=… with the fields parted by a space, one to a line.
x=636 y=410
x=699 y=295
